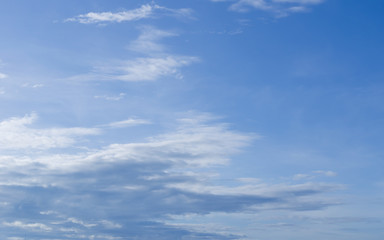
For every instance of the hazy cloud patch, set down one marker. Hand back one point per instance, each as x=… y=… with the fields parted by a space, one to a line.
x=3 y=76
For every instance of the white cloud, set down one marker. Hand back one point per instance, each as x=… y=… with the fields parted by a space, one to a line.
x=110 y=225
x=128 y=123
x=155 y=65
x=35 y=226
x=149 y=69
x=301 y=176
x=2 y=75
x=326 y=173
x=36 y=85
x=198 y=145
x=181 y=12
x=244 y=5
x=148 y=41
x=133 y=187
x=152 y=68
x=48 y=212
x=82 y=223
x=139 y=69
x=260 y=189
x=297 y=9
x=111 y=98
x=194 y=143
x=319 y=173
x=300 y=1
x=280 y=8
x=15 y=134
x=145 y=11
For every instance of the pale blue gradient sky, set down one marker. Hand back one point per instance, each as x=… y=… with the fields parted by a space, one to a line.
x=193 y=119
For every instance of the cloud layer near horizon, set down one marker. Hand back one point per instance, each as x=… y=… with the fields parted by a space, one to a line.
x=96 y=194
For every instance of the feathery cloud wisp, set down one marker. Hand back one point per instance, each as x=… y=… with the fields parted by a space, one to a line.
x=132 y=15
x=128 y=123
x=148 y=41
x=139 y=69
x=148 y=69
x=280 y=8
x=157 y=62
x=145 y=11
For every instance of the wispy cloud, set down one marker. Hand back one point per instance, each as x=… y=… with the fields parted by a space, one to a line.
x=147 y=69
x=148 y=41
x=136 y=70
x=33 y=226
x=80 y=222
x=36 y=85
x=3 y=76
x=145 y=11
x=299 y=1
x=326 y=173
x=128 y=123
x=261 y=189
x=314 y=174
x=156 y=63
x=16 y=134
x=132 y=188
x=159 y=64
x=280 y=8
x=111 y=98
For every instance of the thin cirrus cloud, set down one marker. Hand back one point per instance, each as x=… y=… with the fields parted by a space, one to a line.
x=148 y=69
x=145 y=11
x=138 y=70
x=36 y=85
x=318 y=173
x=149 y=39
x=326 y=173
x=131 y=189
x=280 y=8
x=128 y=123
x=111 y=98
x=156 y=64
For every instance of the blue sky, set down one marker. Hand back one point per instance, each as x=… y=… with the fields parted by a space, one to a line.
x=193 y=119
